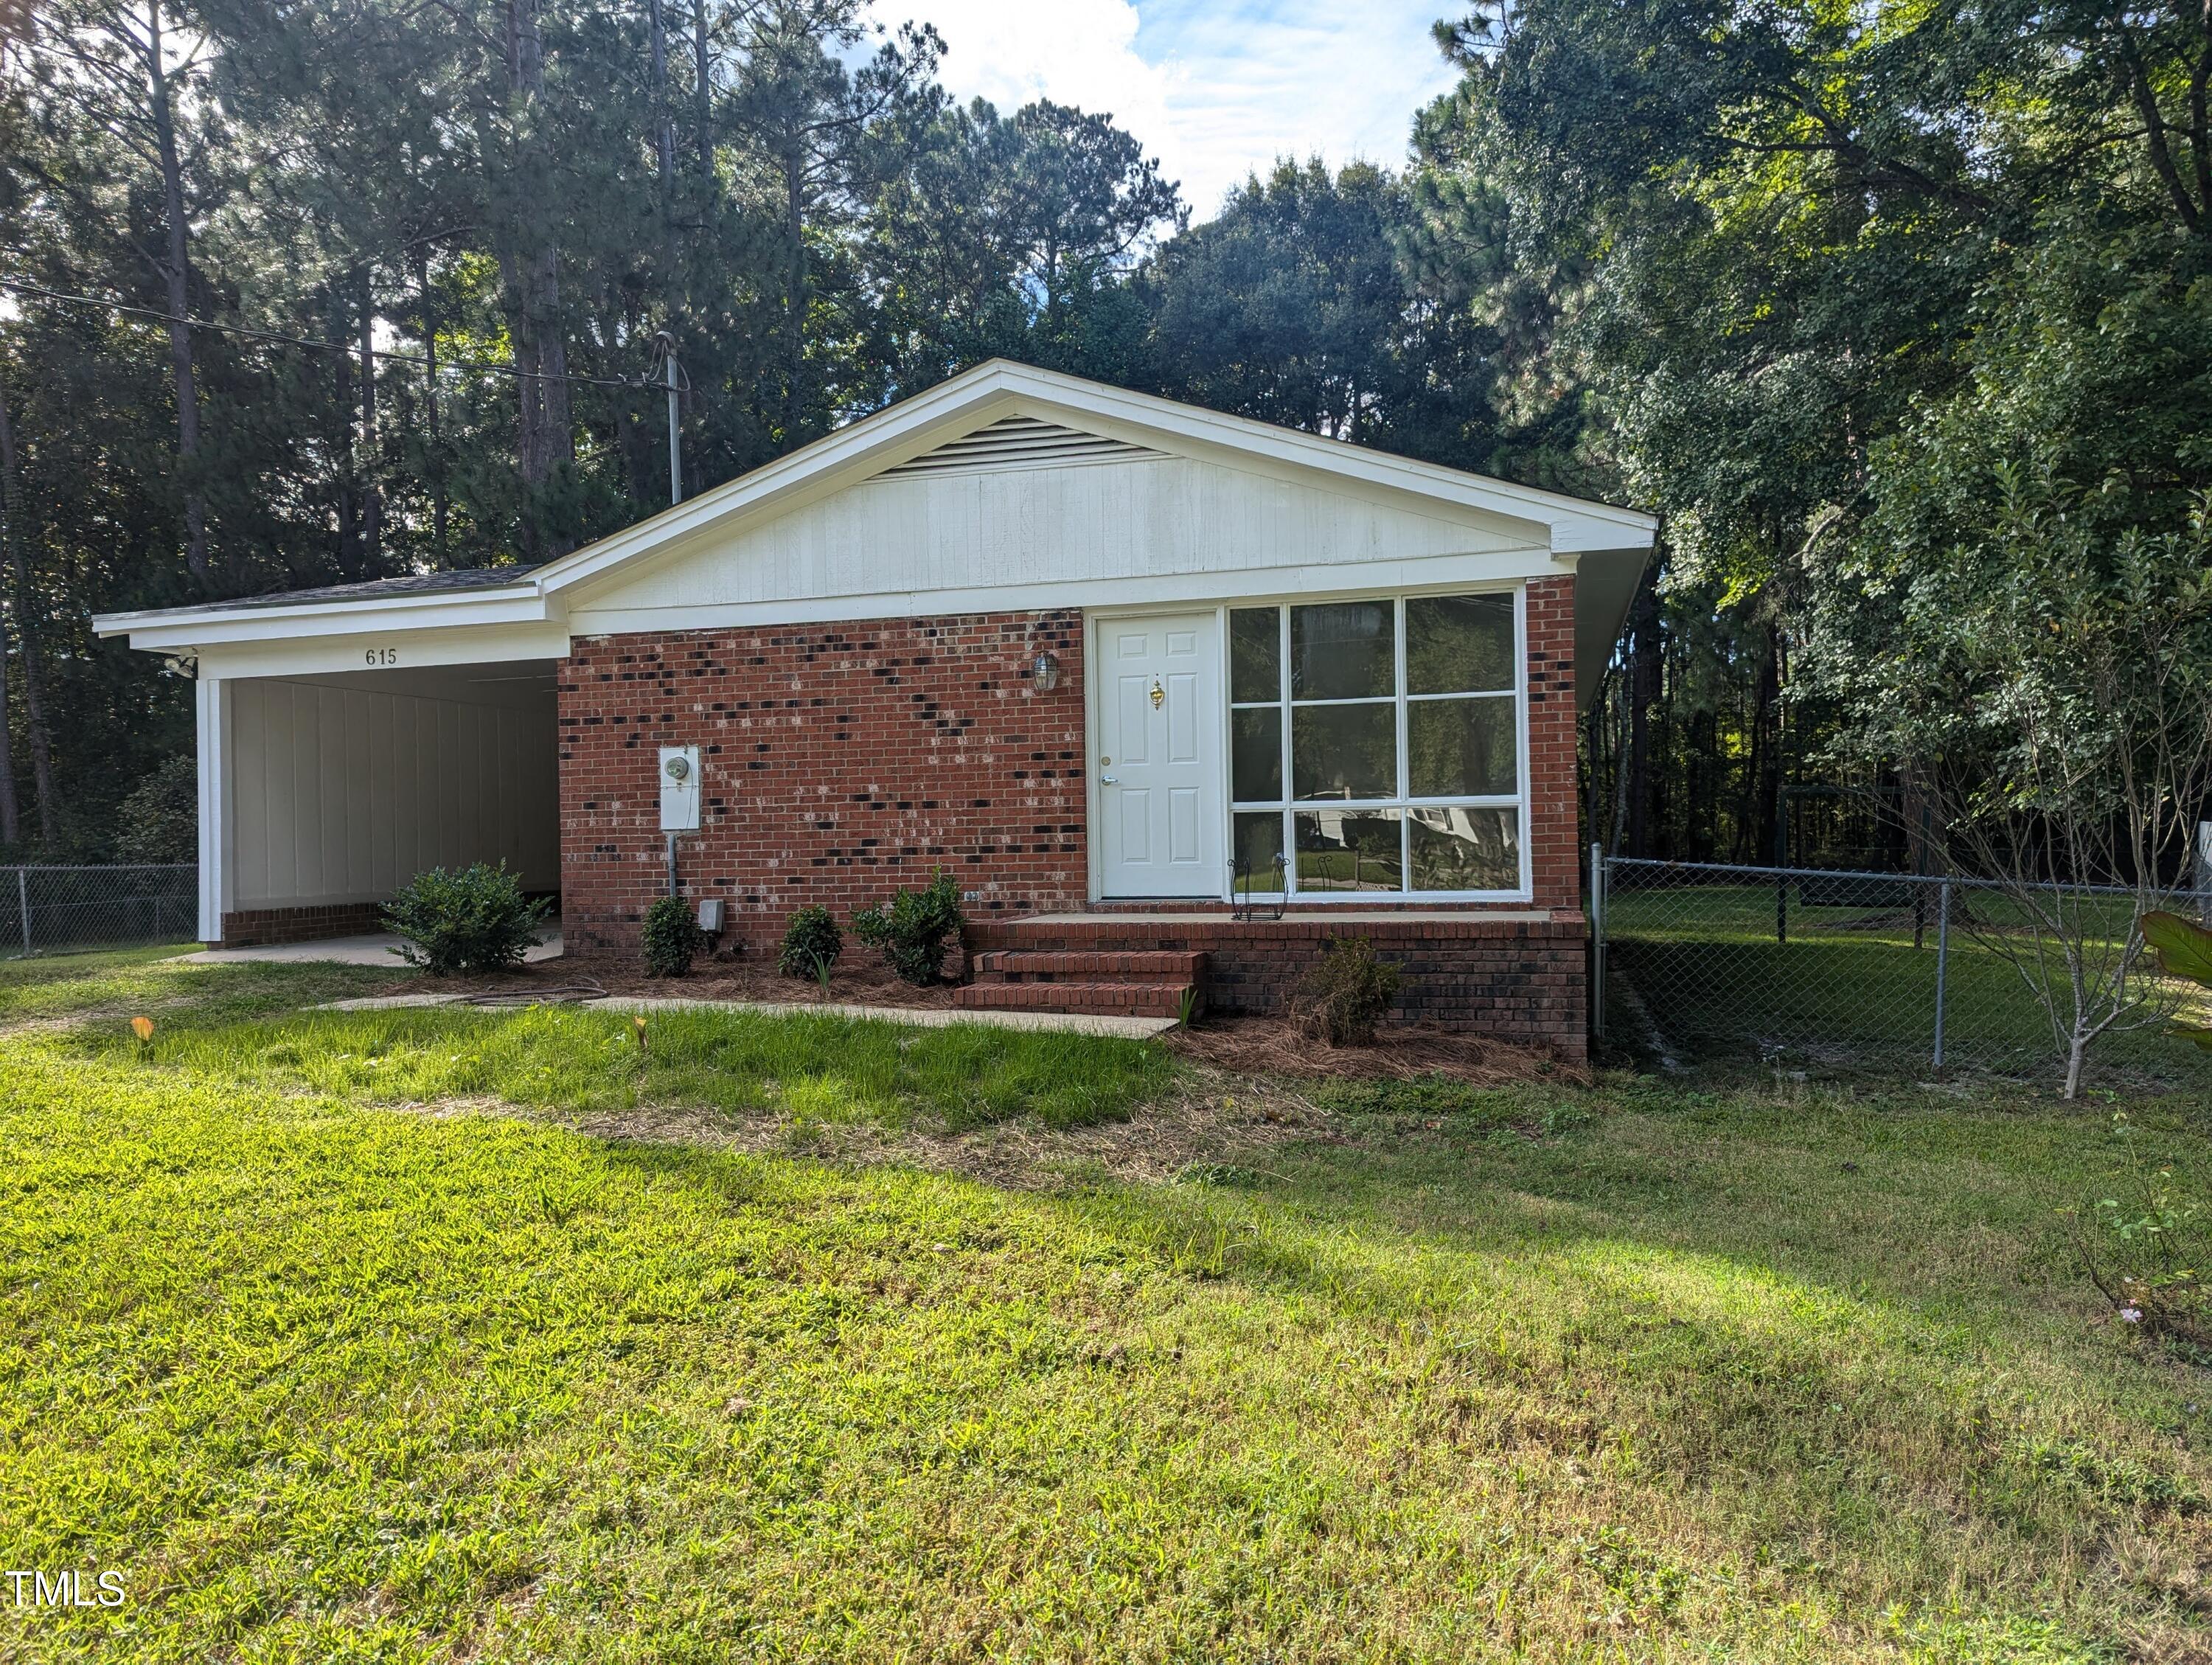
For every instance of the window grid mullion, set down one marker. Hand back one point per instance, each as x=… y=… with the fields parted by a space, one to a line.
x=1288 y=822
x=1405 y=779
x=1287 y=704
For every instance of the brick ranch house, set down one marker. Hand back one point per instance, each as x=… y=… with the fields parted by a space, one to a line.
x=1125 y=666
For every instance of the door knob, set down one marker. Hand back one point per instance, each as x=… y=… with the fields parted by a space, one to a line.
x=1107 y=780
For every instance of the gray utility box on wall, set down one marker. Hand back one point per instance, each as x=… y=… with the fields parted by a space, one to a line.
x=679 y=788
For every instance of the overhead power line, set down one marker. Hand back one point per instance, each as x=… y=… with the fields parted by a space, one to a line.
x=473 y=367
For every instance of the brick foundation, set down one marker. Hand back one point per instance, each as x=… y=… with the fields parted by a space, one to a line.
x=260 y=926
x=839 y=762
x=1521 y=980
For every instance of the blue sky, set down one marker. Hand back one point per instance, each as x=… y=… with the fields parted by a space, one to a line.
x=1214 y=88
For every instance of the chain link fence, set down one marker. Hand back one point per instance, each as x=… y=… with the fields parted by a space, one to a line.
x=1882 y=972
x=53 y=910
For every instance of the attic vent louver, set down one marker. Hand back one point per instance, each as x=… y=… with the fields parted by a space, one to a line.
x=1020 y=442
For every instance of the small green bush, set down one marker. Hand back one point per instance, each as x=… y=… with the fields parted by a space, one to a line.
x=811 y=944
x=477 y=920
x=672 y=937
x=159 y=821
x=914 y=928
x=1343 y=997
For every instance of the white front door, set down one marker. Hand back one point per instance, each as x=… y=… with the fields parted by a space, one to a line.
x=1159 y=767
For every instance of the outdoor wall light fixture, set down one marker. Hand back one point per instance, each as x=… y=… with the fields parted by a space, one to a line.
x=1045 y=670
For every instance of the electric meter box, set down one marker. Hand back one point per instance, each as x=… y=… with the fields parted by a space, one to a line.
x=679 y=788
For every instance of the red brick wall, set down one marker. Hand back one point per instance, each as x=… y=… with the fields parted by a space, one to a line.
x=253 y=927
x=839 y=761
x=1555 y=775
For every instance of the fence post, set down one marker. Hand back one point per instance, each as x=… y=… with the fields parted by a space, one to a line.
x=2204 y=872
x=1597 y=940
x=23 y=906
x=1942 y=959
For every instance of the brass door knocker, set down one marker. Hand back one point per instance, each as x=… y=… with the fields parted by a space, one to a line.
x=1159 y=695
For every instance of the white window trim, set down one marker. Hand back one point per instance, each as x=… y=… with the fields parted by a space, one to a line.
x=1289 y=807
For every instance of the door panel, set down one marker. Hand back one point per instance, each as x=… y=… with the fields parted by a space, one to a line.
x=1159 y=768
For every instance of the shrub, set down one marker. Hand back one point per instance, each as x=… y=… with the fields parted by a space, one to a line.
x=159 y=821
x=1341 y=999
x=811 y=944
x=913 y=927
x=477 y=920
x=672 y=937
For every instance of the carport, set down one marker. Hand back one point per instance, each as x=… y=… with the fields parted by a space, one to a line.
x=409 y=725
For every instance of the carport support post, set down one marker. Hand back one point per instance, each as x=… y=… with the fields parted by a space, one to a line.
x=214 y=829
x=1942 y=959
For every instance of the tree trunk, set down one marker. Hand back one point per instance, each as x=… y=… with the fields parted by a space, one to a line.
x=665 y=144
x=529 y=292
x=794 y=299
x=439 y=508
x=1644 y=672
x=702 y=89
x=26 y=635
x=176 y=274
x=342 y=444
x=1769 y=784
x=666 y=117
x=372 y=495
x=11 y=517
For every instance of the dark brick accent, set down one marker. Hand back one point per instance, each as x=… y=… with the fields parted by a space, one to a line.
x=260 y=926
x=839 y=761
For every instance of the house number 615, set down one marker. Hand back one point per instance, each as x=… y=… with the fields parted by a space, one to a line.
x=383 y=656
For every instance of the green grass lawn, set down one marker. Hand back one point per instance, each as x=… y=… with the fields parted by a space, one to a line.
x=335 y=1359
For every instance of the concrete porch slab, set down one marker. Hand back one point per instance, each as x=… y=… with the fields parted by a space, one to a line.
x=374 y=950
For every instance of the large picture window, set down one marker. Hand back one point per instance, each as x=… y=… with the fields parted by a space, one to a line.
x=1375 y=746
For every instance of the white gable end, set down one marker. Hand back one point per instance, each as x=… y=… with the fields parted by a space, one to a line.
x=1103 y=528
x=1006 y=487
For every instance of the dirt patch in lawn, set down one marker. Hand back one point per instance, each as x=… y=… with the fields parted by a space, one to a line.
x=1275 y=1046
x=1211 y=1119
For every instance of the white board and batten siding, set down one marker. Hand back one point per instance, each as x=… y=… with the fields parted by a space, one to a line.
x=341 y=795
x=1106 y=530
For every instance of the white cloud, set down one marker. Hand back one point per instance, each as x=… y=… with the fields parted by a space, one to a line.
x=1216 y=88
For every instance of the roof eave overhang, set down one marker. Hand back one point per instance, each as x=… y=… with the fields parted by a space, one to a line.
x=185 y=630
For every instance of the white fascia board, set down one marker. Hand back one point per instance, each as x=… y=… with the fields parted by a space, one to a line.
x=1152 y=589
x=204 y=628
x=319 y=654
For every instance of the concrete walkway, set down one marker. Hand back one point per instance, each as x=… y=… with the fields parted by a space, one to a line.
x=377 y=950
x=1069 y=1022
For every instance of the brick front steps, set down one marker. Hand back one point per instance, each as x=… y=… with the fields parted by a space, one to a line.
x=1124 y=982
x=1516 y=974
